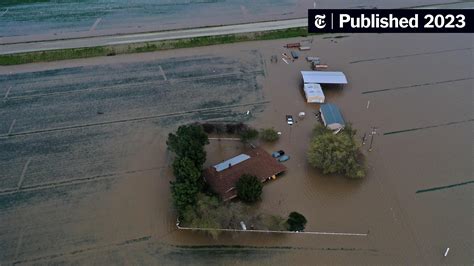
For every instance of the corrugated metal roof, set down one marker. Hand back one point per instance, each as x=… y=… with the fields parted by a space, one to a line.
x=230 y=162
x=331 y=114
x=324 y=77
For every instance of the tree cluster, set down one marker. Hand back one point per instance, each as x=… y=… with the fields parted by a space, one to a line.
x=221 y=128
x=188 y=144
x=245 y=132
x=336 y=154
x=189 y=141
x=210 y=213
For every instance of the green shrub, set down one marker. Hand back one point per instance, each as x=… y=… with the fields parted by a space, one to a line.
x=249 y=188
x=296 y=222
x=248 y=134
x=269 y=134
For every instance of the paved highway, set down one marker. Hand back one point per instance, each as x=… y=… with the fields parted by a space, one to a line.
x=34 y=46
x=149 y=37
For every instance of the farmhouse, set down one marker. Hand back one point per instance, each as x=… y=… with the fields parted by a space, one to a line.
x=223 y=176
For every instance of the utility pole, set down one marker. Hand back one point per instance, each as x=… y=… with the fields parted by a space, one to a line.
x=374 y=131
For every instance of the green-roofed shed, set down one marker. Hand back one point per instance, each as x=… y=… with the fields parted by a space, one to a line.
x=332 y=117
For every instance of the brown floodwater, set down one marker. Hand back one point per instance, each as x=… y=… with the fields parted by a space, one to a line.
x=422 y=82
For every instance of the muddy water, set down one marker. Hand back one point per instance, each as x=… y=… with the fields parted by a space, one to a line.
x=385 y=203
x=33 y=20
x=421 y=82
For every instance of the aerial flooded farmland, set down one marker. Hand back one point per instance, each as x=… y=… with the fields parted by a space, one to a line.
x=90 y=148
x=42 y=19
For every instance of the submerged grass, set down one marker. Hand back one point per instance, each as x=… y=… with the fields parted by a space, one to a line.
x=75 y=53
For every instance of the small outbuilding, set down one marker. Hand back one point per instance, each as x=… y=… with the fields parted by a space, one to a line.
x=332 y=117
x=313 y=93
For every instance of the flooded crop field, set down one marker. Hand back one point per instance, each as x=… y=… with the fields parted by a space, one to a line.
x=43 y=19
x=69 y=135
x=84 y=168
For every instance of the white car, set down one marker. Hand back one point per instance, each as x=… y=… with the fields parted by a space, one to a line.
x=289 y=120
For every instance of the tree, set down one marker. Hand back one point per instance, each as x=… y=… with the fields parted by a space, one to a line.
x=336 y=153
x=208 y=128
x=230 y=128
x=296 y=222
x=184 y=194
x=208 y=213
x=189 y=142
x=185 y=169
x=248 y=134
x=269 y=134
x=249 y=188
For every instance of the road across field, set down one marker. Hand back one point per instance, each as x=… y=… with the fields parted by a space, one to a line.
x=11 y=45
x=150 y=37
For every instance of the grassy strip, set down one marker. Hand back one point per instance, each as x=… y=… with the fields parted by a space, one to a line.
x=64 y=54
x=54 y=55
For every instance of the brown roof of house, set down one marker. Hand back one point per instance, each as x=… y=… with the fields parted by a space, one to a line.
x=261 y=164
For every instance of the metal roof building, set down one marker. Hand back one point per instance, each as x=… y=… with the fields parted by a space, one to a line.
x=313 y=93
x=323 y=77
x=332 y=117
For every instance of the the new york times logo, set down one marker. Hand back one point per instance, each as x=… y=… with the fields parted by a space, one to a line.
x=320 y=21
x=390 y=20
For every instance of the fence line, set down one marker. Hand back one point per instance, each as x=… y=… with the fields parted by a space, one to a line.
x=271 y=231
